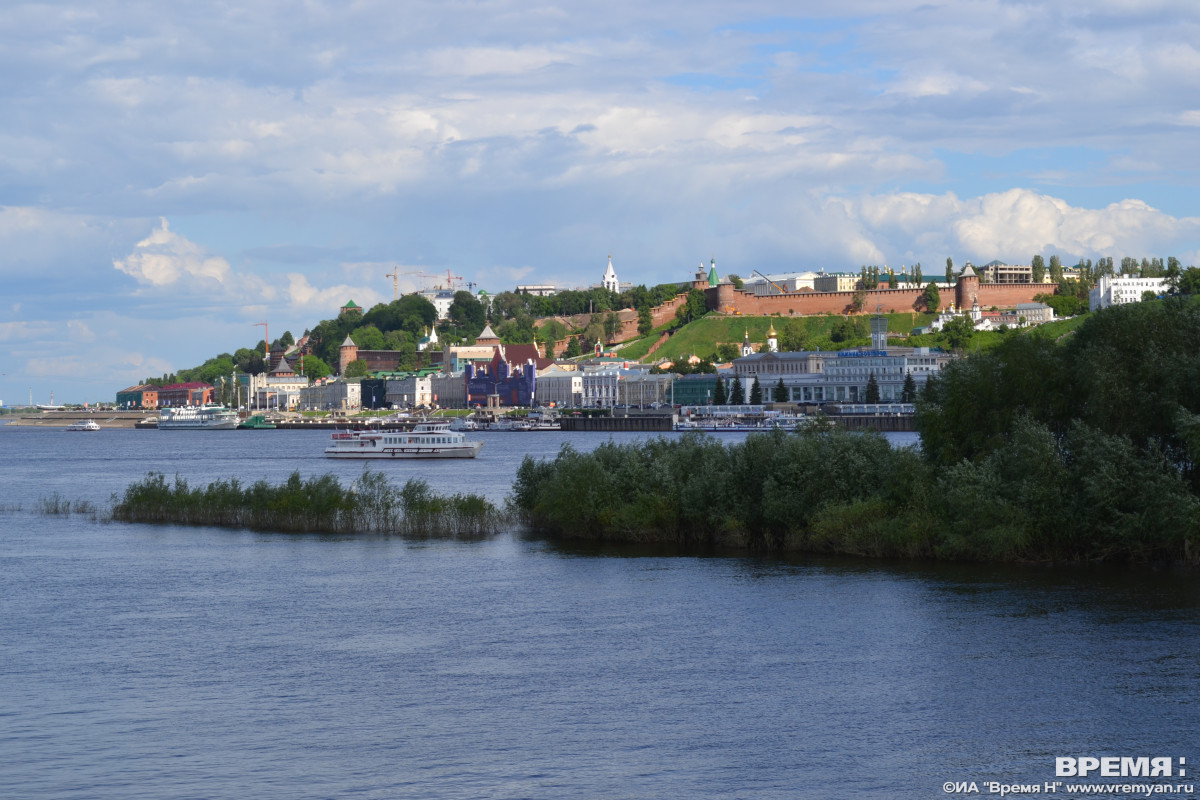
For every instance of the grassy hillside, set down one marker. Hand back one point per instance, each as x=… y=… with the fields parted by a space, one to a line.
x=702 y=336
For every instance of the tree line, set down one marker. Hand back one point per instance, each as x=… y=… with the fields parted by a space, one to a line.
x=1084 y=450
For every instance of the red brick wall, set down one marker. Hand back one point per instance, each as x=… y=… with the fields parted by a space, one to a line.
x=728 y=300
x=1007 y=295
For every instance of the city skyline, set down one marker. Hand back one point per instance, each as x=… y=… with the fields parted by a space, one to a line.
x=171 y=176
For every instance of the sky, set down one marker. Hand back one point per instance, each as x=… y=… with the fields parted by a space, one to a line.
x=172 y=174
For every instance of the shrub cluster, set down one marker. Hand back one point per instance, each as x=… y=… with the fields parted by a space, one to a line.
x=316 y=505
x=1087 y=496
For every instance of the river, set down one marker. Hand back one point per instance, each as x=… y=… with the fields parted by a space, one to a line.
x=160 y=661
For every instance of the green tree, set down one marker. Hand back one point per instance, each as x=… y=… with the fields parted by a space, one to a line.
x=872 y=393
x=780 y=393
x=573 y=350
x=737 y=394
x=719 y=394
x=1189 y=281
x=931 y=298
x=645 y=320
x=794 y=337
x=908 y=393
x=356 y=369
x=467 y=315
x=737 y=282
x=959 y=332
x=1056 y=273
x=1039 y=269
x=756 y=395
x=949 y=270
x=612 y=324
x=315 y=368
x=727 y=351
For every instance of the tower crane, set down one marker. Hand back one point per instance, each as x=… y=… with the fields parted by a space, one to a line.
x=395 y=276
x=450 y=279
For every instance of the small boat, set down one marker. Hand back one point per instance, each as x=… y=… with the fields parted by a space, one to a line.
x=426 y=440
x=256 y=422
x=84 y=425
x=463 y=424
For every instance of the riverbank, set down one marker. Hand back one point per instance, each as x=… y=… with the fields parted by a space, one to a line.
x=835 y=492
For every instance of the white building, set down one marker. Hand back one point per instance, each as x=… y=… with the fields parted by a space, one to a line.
x=814 y=376
x=410 y=391
x=1113 y=290
x=541 y=289
x=441 y=299
x=560 y=387
x=609 y=281
x=600 y=387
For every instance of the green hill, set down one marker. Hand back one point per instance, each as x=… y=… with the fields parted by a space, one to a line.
x=702 y=336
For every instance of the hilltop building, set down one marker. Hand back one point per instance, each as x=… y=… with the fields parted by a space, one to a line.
x=609 y=281
x=1115 y=290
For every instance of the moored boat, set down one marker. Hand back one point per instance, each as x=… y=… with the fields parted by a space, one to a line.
x=256 y=422
x=208 y=417
x=426 y=440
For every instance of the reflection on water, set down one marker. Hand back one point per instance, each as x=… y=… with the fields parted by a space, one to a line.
x=144 y=661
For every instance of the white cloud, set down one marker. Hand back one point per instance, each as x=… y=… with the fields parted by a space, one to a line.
x=164 y=258
x=1018 y=223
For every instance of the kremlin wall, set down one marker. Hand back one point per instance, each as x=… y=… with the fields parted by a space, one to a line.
x=724 y=298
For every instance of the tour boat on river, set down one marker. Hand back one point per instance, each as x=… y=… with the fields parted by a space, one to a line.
x=207 y=417
x=84 y=425
x=426 y=440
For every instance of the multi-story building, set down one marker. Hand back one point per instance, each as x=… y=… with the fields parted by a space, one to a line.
x=449 y=389
x=835 y=281
x=332 y=395
x=560 y=387
x=441 y=299
x=538 y=289
x=185 y=394
x=410 y=391
x=639 y=388
x=599 y=386
x=829 y=377
x=277 y=389
x=141 y=396
x=1115 y=290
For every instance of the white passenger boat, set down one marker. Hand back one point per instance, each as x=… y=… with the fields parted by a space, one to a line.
x=84 y=425
x=463 y=424
x=210 y=417
x=426 y=440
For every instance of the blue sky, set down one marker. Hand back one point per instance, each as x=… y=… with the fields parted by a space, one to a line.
x=172 y=173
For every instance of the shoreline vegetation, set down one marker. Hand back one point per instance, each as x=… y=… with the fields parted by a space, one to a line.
x=1085 y=449
x=316 y=505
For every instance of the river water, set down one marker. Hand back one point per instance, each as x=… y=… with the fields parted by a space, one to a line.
x=161 y=661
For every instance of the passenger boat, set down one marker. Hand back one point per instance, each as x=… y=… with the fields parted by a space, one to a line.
x=426 y=440
x=208 y=417
x=84 y=425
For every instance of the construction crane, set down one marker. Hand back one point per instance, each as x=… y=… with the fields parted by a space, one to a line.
x=266 y=344
x=450 y=279
x=395 y=276
x=768 y=280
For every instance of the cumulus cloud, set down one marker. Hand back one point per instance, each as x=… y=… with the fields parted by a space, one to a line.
x=164 y=257
x=1018 y=223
